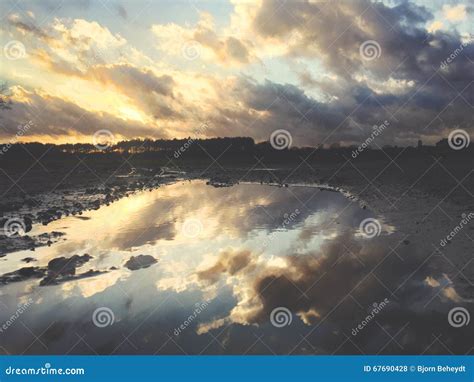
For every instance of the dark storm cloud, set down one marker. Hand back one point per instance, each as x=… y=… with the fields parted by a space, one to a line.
x=342 y=266
x=335 y=288
x=431 y=103
x=333 y=33
x=308 y=120
x=331 y=290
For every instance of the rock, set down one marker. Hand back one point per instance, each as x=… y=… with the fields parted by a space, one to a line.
x=22 y=274
x=28 y=259
x=139 y=262
x=28 y=223
x=57 y=280
x=63 y=269
x=64 y=266
x=220 y=181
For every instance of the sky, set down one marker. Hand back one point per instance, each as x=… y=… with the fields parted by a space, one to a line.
x=325 y=71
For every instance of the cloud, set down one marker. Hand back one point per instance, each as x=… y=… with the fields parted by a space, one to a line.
x=405 y=81
x=121 y=11
x=68 y=45
x=151 y=92
x=454 y=12
x=435 y=25
x=90 y=52
x=55 y=117
x=331 y=290
x=228 y=262
x=202 y=41
x=25 y=27
x=338 y=96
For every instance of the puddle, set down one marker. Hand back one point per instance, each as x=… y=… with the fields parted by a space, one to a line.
x=190 y=268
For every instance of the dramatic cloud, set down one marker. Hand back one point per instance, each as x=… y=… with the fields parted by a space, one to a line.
x=333 y=289
x=335 y=70
x=55 y=117
x=153 y=93
x=228 y=262
x=404 y=82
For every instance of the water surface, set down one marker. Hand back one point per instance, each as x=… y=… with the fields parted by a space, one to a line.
x=244 y=269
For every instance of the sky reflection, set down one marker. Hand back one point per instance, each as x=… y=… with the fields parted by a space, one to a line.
x=225 y=257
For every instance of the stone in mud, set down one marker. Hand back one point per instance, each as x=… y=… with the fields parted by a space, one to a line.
x=17 y=243
x=22 y=274
x=63 y=269
x=220 y=181
x=28 y=223
x=64 y=266
x=28 y=259
x=70 y=277
x=139 y=262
